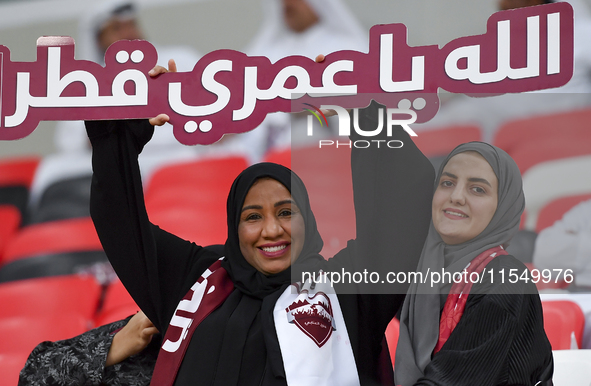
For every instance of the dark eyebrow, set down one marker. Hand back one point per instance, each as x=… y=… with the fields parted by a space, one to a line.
x=449 y=175
x=251 y=207
x=471 y=179
x=481 y=180
x=279 y=203
x=284 y=202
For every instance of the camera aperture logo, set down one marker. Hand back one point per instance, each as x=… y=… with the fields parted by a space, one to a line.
x=315 y=113
x=402 y=116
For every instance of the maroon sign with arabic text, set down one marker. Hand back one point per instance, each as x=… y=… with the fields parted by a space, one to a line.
x=227 y=91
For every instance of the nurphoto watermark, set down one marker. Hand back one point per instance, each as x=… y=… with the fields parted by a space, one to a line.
x=402 y=116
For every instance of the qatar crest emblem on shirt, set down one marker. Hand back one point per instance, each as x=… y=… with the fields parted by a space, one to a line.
x=312 y=314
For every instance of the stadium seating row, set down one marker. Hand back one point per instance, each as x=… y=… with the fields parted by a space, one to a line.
x=556 y=145
x=41 y=253
x=53 y=308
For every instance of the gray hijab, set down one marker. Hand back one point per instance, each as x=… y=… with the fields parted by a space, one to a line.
x=419 y=320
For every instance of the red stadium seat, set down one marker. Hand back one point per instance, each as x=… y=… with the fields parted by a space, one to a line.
x=187 y=199
x=18 y=170
x=10 y=220
x=53 y=237
x=115 y=314
x=572 y=124
x=20 y=334
x=326 y=173
x=281 y=157
x=441 y=141
x=555 y=209
x=562 y=318
x=53 y=248
x=116 y=296
x=202 y=225
x=540 y=149
x=11 y=365
x=16 y=176
x=392 y=338
x=550 y=180
x=51 y=295
x=203 y=175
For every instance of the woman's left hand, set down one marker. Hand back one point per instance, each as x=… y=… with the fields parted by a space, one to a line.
x=131 y=339
x=162 y=70
x=161 y=119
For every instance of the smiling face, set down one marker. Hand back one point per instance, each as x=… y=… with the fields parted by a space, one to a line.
x=465 y=199
x=271 y=228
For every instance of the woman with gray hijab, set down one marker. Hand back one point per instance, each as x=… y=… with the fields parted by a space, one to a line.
x=478 y=319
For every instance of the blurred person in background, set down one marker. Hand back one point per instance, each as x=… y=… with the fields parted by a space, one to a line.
x=104 y=24
x=70 y=167
x=307 y=28
x=567 y=245
x=118 y=19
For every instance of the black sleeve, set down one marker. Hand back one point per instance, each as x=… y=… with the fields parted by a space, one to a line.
x=500 y=338
x=393 y=190
x=479 y=343
x=151 y=263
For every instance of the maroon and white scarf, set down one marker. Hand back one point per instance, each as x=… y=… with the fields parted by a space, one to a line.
x=313 y=337
x=208 y=293
x=310 y=327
